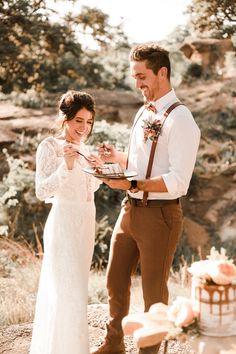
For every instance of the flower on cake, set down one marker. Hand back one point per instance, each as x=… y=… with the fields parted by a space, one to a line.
x=181 y=312
x=151 y=129
x=218 y=269
x=183 y=318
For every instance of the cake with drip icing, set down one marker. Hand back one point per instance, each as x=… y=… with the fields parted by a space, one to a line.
x=216 y=308
x=214 y=294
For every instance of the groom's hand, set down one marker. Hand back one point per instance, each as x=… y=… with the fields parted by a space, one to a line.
x=107 y=152
x=117 y=184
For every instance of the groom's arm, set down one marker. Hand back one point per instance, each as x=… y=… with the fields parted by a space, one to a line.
x=155 y=184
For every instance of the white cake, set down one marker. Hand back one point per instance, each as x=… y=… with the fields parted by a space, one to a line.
x=110 y=169
x=214 y=294
x=216 y=308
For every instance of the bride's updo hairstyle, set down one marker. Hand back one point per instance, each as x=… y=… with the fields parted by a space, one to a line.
x=73 y=101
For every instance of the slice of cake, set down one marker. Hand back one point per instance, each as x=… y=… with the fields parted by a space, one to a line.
x=110 y=169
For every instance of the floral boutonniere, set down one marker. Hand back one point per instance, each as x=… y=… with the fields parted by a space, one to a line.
x=151 y=129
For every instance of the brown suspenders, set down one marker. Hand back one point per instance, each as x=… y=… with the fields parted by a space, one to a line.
x=153 y=147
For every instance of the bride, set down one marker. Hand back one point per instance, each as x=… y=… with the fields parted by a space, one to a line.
x=60 y=324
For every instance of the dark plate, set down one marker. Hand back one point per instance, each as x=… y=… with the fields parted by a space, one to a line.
x=127 y=174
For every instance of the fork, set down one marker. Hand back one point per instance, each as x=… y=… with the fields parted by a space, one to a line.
x=85 y=157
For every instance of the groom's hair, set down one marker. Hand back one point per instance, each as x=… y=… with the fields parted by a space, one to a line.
x=154 y=56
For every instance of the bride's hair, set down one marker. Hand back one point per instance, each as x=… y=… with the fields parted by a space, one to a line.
x=73 y=101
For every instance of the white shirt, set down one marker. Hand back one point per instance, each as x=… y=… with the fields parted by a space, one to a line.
x=176 y=148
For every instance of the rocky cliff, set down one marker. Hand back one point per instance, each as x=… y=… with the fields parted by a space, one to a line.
x=211 y=201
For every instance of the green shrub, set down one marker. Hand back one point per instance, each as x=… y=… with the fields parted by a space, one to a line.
x=20 y=211
x=22 y=215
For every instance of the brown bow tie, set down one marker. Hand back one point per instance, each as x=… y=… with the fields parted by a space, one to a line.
x=150 y=107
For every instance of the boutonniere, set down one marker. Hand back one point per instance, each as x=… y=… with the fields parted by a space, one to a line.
x=151 y=129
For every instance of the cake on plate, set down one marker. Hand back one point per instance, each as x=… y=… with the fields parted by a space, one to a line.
x=214 y=294
x=110 y=169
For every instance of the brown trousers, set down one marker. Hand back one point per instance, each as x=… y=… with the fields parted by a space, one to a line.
x=149 y=235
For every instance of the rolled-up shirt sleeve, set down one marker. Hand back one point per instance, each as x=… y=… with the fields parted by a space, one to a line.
x=183 y=143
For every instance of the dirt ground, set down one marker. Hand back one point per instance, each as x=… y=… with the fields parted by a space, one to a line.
x=15 y=339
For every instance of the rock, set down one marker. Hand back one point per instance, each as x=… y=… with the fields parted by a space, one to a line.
x=116 y=106
x=14 y=120
x=230 y=170
x=208 y=52
x=227 y=230
x=7 y=136
x=210 y=199
x=221 y=209
x=197 y=236
x=15 y=339
x=112 y=106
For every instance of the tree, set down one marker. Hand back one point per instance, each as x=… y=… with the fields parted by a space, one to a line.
x=30 y=45
x=38 y=53
x=95 y=23
x=219 y=15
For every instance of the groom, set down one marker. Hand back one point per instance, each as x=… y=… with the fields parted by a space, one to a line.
x=163 y=146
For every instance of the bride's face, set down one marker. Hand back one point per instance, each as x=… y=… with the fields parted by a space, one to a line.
x=79 y=127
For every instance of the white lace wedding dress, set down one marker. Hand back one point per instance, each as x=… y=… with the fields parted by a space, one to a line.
x=60 y=324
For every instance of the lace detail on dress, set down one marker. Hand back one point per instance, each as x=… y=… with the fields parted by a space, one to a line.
x=89 y=178
x=60 y=324
x=53 y=179
x=49 y=172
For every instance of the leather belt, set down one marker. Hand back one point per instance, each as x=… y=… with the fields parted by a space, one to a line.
x=152 y=202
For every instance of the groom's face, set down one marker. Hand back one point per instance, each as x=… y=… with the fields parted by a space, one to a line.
x=145 y=80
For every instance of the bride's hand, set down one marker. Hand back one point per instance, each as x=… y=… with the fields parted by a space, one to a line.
x=70 y=154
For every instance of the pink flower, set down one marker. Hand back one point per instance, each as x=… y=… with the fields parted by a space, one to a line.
x=181 y=312
x=151 y=129
x=219 y=270
x=222 y=272
x=200 y=269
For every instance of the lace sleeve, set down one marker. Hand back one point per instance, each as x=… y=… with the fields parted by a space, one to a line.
x=97 y=184
x=49 y=174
